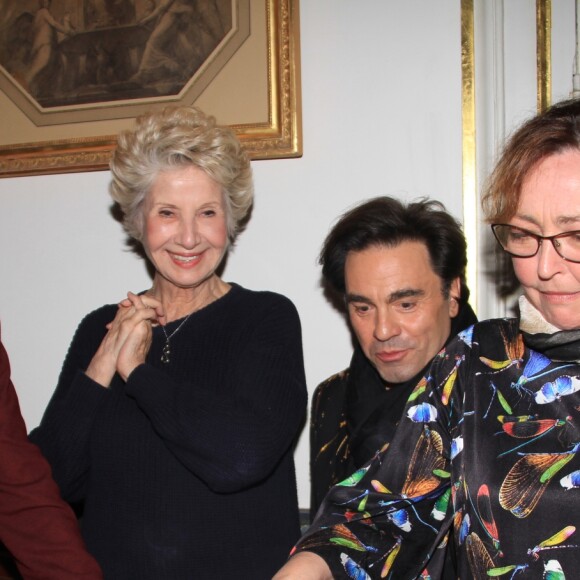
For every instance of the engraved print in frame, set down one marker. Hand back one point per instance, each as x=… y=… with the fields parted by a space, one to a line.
x=250 y=80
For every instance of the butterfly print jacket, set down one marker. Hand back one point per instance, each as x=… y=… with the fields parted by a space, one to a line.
x=489 y=449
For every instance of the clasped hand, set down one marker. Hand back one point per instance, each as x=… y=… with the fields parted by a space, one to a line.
x=128 y=339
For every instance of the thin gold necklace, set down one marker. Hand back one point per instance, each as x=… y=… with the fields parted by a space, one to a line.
x=166 y=352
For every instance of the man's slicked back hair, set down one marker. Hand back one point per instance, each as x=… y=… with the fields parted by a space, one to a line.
x=385 y=221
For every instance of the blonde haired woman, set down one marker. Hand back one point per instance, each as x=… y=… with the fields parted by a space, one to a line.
x=175 y=413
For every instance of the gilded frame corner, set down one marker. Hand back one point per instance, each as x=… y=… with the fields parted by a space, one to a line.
x=279 y=137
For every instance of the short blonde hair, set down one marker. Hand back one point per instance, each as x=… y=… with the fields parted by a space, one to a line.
x=172 y=138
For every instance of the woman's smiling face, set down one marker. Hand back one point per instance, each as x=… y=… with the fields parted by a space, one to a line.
x=185 y=227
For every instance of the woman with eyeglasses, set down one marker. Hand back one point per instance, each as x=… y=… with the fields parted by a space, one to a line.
x=489 y=443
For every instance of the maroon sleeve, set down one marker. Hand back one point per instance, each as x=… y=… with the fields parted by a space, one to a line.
x=36 y=525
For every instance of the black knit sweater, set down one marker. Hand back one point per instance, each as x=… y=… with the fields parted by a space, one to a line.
x=186 y=470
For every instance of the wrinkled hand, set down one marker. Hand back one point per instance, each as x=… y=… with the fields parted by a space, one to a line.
x=128 y=339
x=304 y=566
x=134 y=350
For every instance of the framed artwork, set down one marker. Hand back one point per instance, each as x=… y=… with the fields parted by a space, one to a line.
x=74 y=73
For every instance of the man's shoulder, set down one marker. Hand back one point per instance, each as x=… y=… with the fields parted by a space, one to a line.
x=333 y=384
x=329 y=398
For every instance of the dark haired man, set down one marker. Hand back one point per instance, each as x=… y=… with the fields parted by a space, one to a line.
x=400 y=270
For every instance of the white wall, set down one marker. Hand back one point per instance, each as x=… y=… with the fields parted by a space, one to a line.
x=381 y=99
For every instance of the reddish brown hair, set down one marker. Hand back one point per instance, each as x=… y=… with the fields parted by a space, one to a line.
x=555 y=130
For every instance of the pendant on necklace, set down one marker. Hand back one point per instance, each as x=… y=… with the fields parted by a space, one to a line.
x=165 y=353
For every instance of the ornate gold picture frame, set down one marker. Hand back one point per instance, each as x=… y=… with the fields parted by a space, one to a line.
x=254 y=89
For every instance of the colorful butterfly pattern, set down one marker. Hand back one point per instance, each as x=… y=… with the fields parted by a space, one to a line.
x=488 y=449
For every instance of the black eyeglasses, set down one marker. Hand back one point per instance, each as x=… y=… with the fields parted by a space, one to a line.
x=524 y=244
